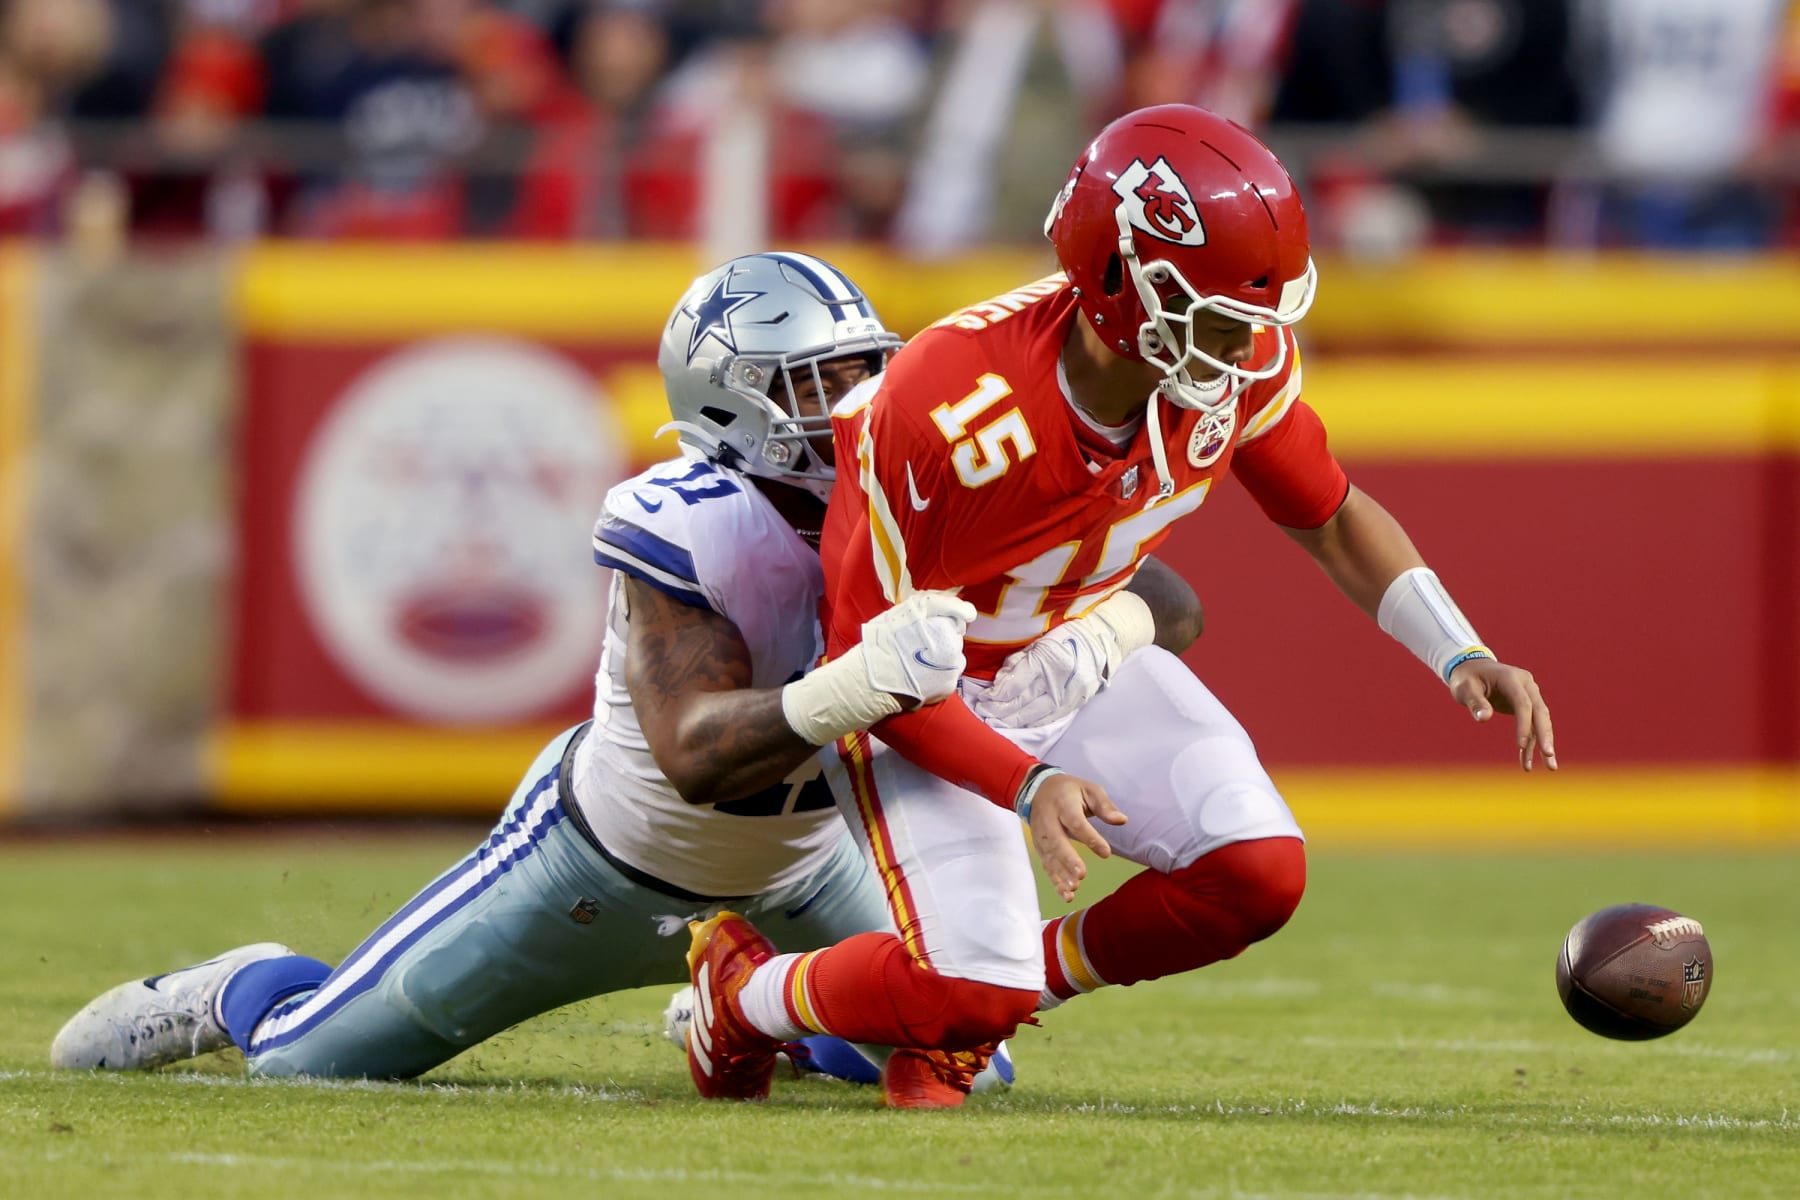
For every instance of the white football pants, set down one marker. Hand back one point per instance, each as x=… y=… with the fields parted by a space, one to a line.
x=957 y=873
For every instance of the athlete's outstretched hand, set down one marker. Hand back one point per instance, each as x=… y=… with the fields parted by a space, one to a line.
x=1060 y=809
x=914 y=650
x=1484 y=686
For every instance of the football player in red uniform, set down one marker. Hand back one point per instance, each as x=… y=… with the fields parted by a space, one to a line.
x=1027 y=453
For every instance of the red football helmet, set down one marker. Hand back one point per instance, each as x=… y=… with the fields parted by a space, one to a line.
x=1174 y=210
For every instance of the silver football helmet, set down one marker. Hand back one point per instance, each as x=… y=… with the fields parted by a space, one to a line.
x=741 y=339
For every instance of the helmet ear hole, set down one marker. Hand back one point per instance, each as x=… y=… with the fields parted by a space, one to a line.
x=1113 y=282
x=718 y=416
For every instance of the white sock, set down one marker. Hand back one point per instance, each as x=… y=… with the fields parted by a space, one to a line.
x=764 y=999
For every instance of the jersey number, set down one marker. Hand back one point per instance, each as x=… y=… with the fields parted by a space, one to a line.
x=692 y=493
x=981 y=459
x=1025 y=610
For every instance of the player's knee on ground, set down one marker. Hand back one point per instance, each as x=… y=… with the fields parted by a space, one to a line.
x=1260 y=881
x=941 y=1011
x=974 y=1014
x=871 y=988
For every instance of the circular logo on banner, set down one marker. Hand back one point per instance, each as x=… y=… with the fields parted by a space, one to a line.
x=441 y=524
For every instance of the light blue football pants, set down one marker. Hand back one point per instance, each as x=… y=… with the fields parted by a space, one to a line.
x=533 y=919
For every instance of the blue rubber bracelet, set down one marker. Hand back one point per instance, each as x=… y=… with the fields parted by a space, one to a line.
x=1465 y=656
x=1029 y=788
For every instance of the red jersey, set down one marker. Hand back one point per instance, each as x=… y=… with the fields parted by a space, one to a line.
x=964 y=467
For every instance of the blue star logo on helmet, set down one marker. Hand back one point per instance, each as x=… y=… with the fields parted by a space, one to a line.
x=712 y=316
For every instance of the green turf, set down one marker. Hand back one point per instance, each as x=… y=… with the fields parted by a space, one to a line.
x=1400 y=1038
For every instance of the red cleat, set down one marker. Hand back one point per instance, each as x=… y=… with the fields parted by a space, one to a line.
x=729 y=1058
x=931 y=1078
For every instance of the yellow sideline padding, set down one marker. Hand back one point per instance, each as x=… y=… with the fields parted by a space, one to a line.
x=1498 y=297
x=296 y=768
x=360 y=292
x=343 y=770
x=1554 y=356
x=18 y=364
x=1583 y=807
x=1462 y=298
x=1486 y=408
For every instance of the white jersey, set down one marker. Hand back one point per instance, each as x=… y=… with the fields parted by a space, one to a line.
x=1685 y=81
x=705 y=535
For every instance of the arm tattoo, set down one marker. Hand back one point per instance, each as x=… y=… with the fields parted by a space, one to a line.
x=676 y=648
x=688 y=670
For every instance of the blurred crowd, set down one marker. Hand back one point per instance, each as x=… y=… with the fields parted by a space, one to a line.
x=932 y=125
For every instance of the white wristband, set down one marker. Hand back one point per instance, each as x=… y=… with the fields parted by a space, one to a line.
x=835 y=700
x=1130 y=620
x=1418 y=613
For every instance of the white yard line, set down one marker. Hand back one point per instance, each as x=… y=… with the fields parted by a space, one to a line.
x=1388 y=1112
x=1284 y=1107
x=785 y=1180
x=583 y=1091
x=540 y=1170
x=1756 y=1055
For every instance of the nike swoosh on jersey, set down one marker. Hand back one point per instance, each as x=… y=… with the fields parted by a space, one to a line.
x=648 y=507
x=912 y=492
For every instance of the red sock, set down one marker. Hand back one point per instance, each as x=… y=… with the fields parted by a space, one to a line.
x=869 y=988
x=1157 y=924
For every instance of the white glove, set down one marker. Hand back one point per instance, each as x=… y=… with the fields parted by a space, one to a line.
x=913 y=651
x=1067 y=667
x=916 y=647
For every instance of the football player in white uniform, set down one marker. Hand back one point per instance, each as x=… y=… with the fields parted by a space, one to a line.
x=695 y=786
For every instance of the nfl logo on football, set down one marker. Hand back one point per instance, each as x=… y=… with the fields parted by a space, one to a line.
x=1693 y=983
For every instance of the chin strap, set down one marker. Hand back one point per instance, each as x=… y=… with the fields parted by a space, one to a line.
x=1159 y=454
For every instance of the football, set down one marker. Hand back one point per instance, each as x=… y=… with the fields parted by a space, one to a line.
x=1634 y=971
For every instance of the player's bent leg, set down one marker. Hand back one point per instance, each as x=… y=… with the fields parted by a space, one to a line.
x=954 y=869
x=966 y=966
x=1227 y=860
x=839 y=900
x=1176 y=761
x=533 y=919
x=1155 y=924
x=957 y=878
x=833 y=1057
x=947 y=1022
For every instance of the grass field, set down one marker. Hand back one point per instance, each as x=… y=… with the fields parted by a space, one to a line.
x=1401 y=1038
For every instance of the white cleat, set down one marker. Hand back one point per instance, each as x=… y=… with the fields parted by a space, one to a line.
x=156 y=1021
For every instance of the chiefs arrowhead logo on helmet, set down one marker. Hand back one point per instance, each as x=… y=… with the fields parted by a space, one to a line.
x=1157 y=202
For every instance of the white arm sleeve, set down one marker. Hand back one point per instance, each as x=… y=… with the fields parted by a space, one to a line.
x=1418 y=613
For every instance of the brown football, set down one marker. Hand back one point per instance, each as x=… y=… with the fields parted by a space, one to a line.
x=1634 y=971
